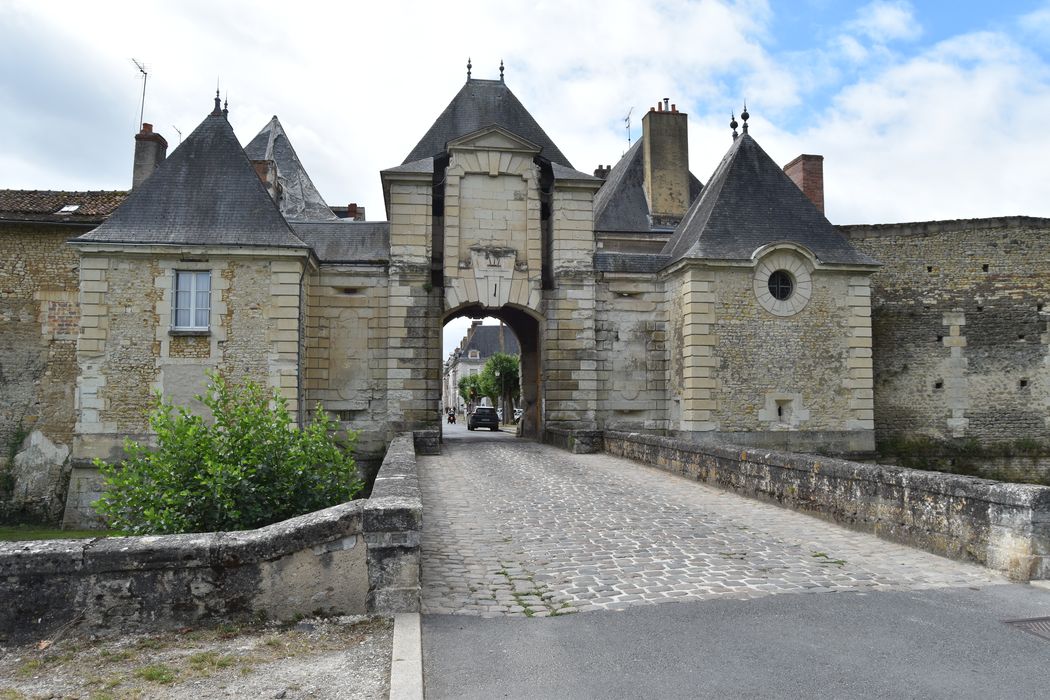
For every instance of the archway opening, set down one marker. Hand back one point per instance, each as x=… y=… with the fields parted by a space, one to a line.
x=507 y=328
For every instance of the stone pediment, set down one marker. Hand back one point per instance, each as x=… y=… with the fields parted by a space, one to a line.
x=493 y=138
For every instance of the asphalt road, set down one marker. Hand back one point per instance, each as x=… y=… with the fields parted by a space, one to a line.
x=941 y=643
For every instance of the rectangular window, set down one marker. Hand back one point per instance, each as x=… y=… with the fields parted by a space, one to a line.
x=192 y=300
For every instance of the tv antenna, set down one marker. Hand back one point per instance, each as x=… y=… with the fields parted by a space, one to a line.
x=627 y=125
x=145 y=75
x=177 y=132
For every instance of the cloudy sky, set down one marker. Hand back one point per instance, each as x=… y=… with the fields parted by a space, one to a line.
x=922 y=110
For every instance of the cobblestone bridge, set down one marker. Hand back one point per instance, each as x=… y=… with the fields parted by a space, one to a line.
x=512 y=527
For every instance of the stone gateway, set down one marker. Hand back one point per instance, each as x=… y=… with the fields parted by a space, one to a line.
x=642 y=299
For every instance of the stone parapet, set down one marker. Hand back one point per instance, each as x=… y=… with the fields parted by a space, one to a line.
x=357 y=557
x=1003 y=526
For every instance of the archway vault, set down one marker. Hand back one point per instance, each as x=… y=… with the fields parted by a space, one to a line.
x=527 y=328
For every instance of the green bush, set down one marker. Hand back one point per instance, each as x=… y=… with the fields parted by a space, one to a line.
x=249 y=467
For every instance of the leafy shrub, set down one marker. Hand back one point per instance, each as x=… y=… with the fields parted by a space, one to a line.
x=247 y=468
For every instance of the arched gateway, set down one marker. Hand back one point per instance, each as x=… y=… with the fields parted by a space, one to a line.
x=485 y=223
x=641 y=300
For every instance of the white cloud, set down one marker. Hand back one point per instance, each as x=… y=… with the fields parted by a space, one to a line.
x=884 y=21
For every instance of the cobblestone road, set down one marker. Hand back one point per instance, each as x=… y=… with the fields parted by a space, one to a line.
x=511 y=527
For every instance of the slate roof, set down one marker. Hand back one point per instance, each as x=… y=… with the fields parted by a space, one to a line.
x=345 y=241
x=485 y=339
x=562 y=172
x=629 y=262
x=479 y=104
x=47 y=205
x=205 y=193
x=749 y=202
x=620 y=204
x=299 y=199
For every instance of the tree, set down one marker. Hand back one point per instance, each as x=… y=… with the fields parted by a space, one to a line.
x=500 y=377
x=248 y=467
x=470 y=388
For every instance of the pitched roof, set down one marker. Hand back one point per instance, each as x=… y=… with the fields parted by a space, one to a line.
x=58 y=207
x=750 y=202
x=486 y=340
x=299 y=199
x=482 y=103
x=205 y=193
x=620 y=204
x=344 y=241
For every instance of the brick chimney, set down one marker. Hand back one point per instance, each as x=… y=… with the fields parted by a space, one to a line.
x=665 y=150
x=267 y=172
x=807 y=172
x=150 y=150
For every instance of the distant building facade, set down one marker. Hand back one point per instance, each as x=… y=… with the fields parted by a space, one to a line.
x=478 y=344
x=640 y=298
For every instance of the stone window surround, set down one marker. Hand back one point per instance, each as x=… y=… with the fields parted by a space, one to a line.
x=798 y=263
x=193 y=328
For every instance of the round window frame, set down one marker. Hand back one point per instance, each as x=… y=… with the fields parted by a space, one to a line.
x=798 y=270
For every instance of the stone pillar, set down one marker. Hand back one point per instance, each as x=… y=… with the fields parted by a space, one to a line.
x=699 y=390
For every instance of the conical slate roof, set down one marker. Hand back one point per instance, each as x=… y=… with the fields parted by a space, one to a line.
x=205 y=193
x=750 y=202
x=620 y=204
x=299 y=199
x=483 y=103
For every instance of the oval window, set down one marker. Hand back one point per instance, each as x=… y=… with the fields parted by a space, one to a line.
x=781 y=285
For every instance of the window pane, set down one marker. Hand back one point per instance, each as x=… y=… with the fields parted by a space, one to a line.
x=203 y=300
x=201 y=320
x=182 y=318
x=203 y=281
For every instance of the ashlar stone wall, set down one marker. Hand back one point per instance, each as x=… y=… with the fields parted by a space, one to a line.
x=39 y=319
x=631 y=345
x=960 y=314
x=346 y=351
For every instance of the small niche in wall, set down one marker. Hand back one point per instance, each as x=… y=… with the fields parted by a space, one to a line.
x=940 y=338
x=929 y=268
x=939 y=384
x=1023 y=384
x=349 y=291
x=1020 y=336
x=980 y=308
x=984 y=268
x=1038 y=307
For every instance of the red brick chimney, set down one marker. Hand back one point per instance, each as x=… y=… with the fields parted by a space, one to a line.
x=808 y=173
x=150 y=150
x=665 y=153
x=267 y=172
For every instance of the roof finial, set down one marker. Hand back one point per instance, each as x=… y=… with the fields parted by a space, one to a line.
x=469 y=66
x=745 y=116
x=733 y=125
x=501 y=70
x=218 y=110
x=226 y=105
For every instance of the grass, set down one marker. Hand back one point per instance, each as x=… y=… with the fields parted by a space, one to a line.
x=13 y=533
x=156 y=673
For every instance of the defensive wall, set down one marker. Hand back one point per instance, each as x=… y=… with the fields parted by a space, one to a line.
x=357 y=557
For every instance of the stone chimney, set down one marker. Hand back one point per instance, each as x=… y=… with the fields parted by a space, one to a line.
x=665 y=150
x=808 y=173
x=150 y=150
x=602 y=171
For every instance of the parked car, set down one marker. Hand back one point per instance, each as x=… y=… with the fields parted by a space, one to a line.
x=483 y=417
